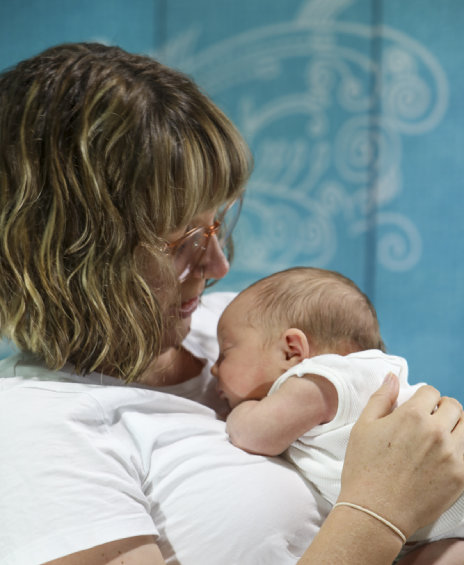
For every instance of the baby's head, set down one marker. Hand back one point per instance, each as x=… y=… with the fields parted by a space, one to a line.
x=289 y=316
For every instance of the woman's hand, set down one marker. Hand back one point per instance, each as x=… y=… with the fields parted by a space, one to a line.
x=407 y=466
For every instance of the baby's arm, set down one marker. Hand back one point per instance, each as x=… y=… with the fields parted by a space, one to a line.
x=269 y=426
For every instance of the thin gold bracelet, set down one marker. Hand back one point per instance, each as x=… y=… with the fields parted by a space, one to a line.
x=374 y=515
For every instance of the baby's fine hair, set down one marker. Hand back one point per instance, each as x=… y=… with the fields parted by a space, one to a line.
x=324 y=305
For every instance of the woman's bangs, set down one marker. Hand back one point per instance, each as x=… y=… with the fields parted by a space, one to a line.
x=216 y=166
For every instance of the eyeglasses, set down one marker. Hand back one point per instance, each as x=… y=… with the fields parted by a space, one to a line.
x=188 y=251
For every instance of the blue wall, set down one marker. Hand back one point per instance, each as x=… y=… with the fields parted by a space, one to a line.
x=354 y=111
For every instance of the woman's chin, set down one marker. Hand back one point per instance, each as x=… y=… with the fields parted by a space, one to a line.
x=184 y=328
x=175 y=336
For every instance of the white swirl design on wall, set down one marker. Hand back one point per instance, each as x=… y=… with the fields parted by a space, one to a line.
x=365 y=146
x=326 y=122
x=399 y=244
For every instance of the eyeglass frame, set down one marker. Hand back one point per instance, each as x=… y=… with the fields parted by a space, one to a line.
x=210 y=231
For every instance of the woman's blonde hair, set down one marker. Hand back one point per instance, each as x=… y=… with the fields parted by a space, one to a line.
x=324 y=305
x=101 y=151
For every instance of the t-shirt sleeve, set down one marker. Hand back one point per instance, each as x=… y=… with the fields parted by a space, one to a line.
x=66 y=484
x=356 y=377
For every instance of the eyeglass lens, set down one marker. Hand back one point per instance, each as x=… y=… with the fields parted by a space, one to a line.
x=228 y=217
x=190 y=252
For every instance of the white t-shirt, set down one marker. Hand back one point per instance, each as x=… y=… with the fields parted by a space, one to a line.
x=88 y=460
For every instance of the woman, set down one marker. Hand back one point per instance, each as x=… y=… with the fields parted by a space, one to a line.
x=116 y=174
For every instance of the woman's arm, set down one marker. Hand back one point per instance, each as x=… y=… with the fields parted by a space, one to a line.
x=407 y=466
x=347 y=538
x=443 y=552
x=140 y=550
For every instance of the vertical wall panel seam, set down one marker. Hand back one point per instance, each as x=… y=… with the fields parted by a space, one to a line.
x=375 y=112
x=161 y=12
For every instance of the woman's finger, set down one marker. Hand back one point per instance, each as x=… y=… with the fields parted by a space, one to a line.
x=458 y=433
x=458 y=436
x=448 y=413
x=425 y=400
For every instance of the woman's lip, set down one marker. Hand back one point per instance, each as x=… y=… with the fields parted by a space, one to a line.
x=189 y=307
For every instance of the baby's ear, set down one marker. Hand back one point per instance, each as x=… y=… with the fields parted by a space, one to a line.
x=295 y=346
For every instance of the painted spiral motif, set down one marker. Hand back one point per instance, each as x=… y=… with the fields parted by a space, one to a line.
x=326 y=124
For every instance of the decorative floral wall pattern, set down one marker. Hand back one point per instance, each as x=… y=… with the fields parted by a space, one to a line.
x=336 y=158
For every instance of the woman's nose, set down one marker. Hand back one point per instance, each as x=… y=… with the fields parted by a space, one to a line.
x=214 y=262
x=214 y=370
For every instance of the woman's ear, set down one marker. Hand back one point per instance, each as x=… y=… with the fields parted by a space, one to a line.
x=295 y=346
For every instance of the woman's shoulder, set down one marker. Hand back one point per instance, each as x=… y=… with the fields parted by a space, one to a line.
x=31 y=392
x=61 y=454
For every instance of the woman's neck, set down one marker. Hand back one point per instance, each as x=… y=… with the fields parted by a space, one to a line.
x=174 y=366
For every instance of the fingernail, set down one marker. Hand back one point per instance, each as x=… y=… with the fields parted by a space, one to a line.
x=387 y=379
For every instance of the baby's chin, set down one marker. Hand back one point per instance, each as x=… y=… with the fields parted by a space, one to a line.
x=223 y=396
x=233 y=403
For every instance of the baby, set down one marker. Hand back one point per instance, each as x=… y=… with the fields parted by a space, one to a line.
x=300 y=355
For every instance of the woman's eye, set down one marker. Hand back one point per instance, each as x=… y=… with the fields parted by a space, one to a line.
x=181 y=249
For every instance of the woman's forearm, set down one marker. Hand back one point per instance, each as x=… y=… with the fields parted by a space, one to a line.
x=139 y=550
x=350 y=537
x=407 y=467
